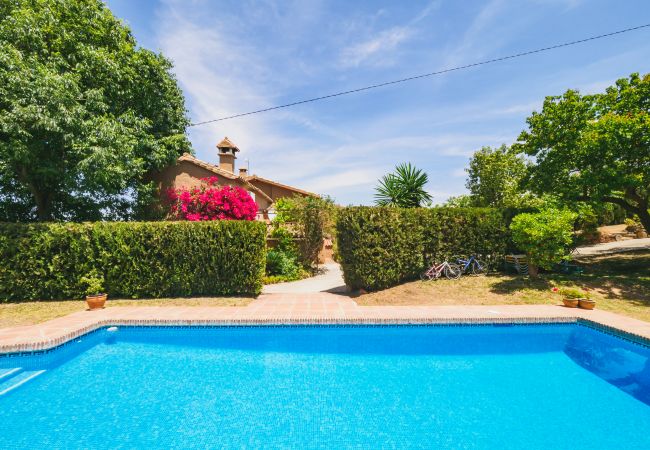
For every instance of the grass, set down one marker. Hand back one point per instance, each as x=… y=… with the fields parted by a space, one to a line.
x=620 y=283
x=28 y=313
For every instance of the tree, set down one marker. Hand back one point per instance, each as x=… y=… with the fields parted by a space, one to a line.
x=211 y=202
x=594 y=148
x=311 y=219
x=84 y=113
x=460 y=201
x=404 y=188
x=544 y=236
x=494 y=179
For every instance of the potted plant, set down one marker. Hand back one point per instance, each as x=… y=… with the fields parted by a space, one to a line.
x=586 y=302
x=94 y=288
x=574 y=297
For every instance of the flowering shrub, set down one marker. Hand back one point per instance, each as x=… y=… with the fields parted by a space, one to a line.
x=211 y=202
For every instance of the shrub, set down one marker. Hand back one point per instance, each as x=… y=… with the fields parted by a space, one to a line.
x=381 y=247
x=211 y=202
x=93 y=283
x=275 y=279
x=279 y=262
x=544 y=236
x=282 y=261
x=633 y=225
x=311 y=219
x=465 y=231
x=133 y=259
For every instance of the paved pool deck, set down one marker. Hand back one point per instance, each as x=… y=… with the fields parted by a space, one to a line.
x=305 y=308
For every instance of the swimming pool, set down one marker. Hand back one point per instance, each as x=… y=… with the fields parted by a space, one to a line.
x=479 y=387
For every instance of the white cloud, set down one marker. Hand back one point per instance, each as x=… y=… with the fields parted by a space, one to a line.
x=519 y=108
x=222 y=74
x=459 y=173
x=239 y=58
x=345 y=179
x=382 y=44
x=566 y=4
x=473 y=43
x=379 y=48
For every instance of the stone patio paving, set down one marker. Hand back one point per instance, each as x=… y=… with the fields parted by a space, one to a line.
x=308 y=308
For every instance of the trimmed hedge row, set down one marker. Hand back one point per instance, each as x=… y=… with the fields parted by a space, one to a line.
x=381 y=247
x=135 y=259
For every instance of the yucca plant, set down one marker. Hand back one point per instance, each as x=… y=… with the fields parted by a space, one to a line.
x=403 y=188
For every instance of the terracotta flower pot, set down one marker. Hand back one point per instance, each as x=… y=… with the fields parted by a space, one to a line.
x=587 y=304
x=571 y=302
x=96 y=301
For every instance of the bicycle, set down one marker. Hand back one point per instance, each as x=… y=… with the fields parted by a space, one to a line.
x=451 y=271
x=471 y=264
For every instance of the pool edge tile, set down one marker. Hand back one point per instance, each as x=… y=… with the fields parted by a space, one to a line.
x=57 y=332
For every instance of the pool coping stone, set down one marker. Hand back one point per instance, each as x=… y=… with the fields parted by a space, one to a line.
x=308 y=309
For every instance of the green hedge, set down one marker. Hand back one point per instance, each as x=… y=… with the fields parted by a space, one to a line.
x=381 y=247
x=136 y=259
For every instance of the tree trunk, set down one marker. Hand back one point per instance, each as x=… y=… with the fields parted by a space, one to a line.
x=641 y=202
x=43 y=204
x=640 y=208
x=43 y=200
x=644 y=217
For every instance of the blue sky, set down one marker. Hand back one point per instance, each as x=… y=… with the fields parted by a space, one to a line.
x=239 y=55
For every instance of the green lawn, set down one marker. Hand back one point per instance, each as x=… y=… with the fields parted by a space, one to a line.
x=621 y=283
x=27 y=313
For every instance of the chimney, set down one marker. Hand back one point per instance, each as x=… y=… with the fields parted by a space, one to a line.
x=227 y=157
x=243 y=172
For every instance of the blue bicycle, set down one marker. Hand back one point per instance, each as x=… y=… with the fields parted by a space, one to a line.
x=471 y=265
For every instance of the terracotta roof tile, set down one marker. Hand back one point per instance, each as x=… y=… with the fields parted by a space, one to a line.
x=186 y=157
x=275 y=183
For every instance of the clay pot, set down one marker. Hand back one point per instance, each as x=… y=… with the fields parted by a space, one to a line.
x=96 y=301
x=587 y=304
x=571 y=302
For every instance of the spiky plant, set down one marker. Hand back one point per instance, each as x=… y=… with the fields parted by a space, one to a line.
x=403 y=188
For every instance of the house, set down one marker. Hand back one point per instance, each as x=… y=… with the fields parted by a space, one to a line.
x=188 y=172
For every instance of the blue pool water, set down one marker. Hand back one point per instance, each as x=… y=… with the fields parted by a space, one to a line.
x=562 y=386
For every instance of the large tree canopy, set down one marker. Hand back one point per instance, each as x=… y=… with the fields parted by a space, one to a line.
x=84 y=112
x=594 y=148
x=494 y=177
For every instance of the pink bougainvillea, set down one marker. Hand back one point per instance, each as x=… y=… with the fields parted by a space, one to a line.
x=211 y=202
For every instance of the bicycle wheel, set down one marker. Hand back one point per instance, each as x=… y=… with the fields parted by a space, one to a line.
x=426 y=275
x=478 y=268
x=453 y=271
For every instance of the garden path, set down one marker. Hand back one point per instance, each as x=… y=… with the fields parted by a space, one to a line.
x=614 y=247
x=330 y=280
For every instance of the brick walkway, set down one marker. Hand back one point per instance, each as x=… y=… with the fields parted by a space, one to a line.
x=299 y=308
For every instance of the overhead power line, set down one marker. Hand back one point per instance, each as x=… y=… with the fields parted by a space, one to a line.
x=426 y=75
